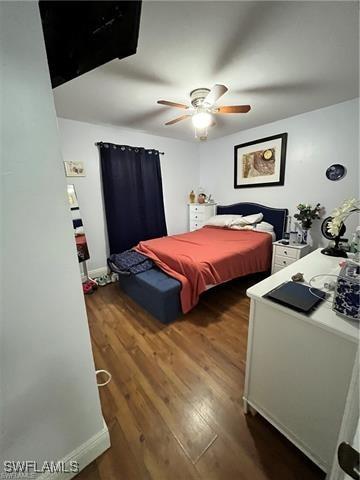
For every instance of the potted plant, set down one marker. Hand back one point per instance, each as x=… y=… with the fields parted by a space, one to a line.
x=306 y=215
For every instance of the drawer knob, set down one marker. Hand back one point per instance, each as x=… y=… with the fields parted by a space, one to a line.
x=285 y=251
x=284 y=262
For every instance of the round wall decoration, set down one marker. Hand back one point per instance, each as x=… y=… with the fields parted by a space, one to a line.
x=325 y=231
x=336 y=172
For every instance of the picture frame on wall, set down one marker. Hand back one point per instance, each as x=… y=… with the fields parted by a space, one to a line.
x=260 y=163
x=74 y=169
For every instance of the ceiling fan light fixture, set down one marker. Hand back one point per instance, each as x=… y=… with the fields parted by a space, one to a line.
x=201 y=120
x=201 y=134
x=203 y=108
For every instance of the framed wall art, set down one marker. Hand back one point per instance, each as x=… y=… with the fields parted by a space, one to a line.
x=74 y=169
x=260 y=163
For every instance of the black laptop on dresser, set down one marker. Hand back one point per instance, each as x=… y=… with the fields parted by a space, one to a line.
x=296 y=296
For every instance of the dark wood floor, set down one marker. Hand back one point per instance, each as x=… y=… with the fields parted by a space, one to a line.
x=174 y=407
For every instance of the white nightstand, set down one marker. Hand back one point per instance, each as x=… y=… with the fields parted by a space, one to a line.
x=284 y=255
x=199 y=213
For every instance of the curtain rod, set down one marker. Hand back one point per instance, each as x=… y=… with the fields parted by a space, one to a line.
x=99 y=143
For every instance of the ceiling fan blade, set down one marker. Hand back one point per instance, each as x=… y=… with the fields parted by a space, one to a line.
x=172 y=104
x=178 y=119
x=215 y=93
x=234 y=109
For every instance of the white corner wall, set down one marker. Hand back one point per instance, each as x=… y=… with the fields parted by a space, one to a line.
x=49 y=399
x=316 y=140
x=179 y=168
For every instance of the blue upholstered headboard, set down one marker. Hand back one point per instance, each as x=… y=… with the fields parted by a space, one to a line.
x=276 y=216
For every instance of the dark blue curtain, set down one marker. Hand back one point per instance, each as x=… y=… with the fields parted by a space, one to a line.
x=133 y=195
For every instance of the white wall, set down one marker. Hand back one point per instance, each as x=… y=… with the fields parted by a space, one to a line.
x=49 y=398
x=179 y=167
x=316 y=140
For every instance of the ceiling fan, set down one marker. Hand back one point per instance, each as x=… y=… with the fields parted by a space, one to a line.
x=203 y=108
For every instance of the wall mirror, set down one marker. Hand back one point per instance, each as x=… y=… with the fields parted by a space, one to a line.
x=80 y=238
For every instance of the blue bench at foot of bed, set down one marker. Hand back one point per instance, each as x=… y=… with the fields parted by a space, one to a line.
x=156 y=292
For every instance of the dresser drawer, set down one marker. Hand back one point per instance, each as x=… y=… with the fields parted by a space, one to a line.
x=283 y=261
x=197 y=208
x=285 y=251
x=194 y=225
x=197 y=216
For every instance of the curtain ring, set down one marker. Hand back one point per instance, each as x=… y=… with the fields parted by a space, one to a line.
x=123 y=148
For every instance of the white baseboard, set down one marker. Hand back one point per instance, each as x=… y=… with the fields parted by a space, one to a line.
x=84 y=455
x=97 y=272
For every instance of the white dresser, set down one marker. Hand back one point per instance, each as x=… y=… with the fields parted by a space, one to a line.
x=299 y=367
x=284 y=255
x=199 y=213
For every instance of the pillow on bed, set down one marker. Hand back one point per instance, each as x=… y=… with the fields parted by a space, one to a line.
x=222 y=220
x=258 y=227
x=261 y=227
x=242 y=227
x=248 y=220
x=264 y=226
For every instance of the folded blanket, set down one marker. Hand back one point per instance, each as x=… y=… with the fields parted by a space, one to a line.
x=129 y=262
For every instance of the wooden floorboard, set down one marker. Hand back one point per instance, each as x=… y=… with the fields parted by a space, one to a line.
x=173 y=407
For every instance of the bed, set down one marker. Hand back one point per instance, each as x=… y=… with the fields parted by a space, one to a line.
x=189 y=263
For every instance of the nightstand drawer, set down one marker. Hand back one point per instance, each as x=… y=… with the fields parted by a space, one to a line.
x=277 y=268
x=283 y=261
x=285 y=251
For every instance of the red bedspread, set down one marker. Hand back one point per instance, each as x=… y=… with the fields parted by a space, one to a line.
x=208 y=256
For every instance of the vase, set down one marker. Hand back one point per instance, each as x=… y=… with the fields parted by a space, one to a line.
x=304 y=236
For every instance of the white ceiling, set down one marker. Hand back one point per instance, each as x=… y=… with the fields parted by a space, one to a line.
x=282 y=58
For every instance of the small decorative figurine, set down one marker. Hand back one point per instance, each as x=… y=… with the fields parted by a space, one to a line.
x=298 y=277
x=201 y=198
x=192 y=196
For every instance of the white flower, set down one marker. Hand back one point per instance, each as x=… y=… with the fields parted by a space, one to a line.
x=336 y=212
x=333 y=229
x=350 y=204
x=340 y=214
